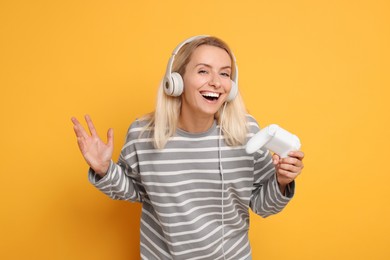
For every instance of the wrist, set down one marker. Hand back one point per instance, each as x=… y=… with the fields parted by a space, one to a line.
x=282 y=188
x=102 y=169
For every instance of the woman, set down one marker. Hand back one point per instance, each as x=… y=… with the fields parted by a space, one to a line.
x=186 y=161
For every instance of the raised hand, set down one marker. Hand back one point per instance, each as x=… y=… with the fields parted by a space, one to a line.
x=96 y=153
x=287 y=169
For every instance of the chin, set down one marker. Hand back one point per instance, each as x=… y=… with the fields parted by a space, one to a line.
x=211 y=112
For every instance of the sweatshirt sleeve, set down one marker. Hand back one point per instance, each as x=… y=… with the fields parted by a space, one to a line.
x=266 y=198
x=122 y=180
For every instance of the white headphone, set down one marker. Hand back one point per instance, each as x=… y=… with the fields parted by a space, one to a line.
x=173 y=82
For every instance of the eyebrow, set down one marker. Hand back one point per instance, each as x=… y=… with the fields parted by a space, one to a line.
x=207 y=65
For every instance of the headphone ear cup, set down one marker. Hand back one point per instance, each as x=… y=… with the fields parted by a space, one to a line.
x=168 y=85
x=178 y=85
x=233 y=92
x=173 y=85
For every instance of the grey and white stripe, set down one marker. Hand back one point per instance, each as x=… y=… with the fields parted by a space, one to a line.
x=180 y=191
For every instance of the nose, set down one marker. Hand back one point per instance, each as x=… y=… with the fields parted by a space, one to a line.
x=215 y=81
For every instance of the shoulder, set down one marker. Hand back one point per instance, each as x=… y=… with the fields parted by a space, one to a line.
x=140 y=123
x=252 y=124
x=138 y=127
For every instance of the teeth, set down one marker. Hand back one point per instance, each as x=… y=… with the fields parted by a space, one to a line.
x=210 y=94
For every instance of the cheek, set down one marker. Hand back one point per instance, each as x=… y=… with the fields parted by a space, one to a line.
x=193 y=82
x=228 y=85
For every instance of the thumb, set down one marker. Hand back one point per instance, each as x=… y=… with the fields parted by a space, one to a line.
x=110 y=137
x=275 y=159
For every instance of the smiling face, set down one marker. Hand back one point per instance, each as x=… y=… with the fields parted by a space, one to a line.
x=207 y=83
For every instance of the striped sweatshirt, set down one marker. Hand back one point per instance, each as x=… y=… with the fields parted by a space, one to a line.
x=195 y=193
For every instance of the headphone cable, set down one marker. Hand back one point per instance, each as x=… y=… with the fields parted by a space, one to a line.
x=222 y=180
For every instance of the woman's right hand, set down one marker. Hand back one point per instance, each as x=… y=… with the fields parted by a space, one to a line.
x=96 y=153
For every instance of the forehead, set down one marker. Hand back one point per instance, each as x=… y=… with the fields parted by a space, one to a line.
x=211 y=55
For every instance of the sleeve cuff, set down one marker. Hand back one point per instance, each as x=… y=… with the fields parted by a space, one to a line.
x=95 y=179
x=290 y=190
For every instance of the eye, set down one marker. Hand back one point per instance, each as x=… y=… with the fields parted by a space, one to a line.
x=225 y=74
x=202 y=72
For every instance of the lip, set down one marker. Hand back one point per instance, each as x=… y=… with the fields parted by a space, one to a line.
x=213 y=96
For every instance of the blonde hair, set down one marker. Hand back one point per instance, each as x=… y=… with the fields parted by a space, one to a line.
x=165 y=118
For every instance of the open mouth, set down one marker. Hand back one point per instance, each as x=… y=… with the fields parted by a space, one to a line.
x=211 y=96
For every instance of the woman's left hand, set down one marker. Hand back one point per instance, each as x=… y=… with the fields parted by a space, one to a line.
x=287 y=169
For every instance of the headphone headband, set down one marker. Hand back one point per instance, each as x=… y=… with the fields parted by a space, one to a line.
x=177 y=49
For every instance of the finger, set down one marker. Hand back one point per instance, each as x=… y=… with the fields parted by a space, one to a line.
x=110 y=137
x=290 y=168
x=287 y=174
x=292 y=161
x=91 y=127
x=275 y=159
x=81 y=144
x=77 y=132
x=74 y=120
x=78 y=128
x=297 y=154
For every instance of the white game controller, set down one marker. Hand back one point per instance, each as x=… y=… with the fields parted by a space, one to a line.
x=274 y=138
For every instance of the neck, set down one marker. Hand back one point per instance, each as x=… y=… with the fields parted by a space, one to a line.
x=195 y=125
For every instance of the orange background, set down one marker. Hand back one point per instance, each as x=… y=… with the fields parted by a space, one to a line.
x=318 y=68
